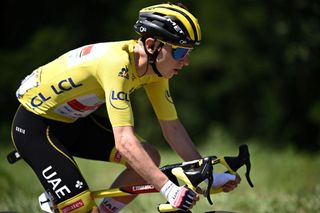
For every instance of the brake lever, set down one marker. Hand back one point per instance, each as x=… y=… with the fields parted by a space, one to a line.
x=202 y=169
x=243 y=158
x=210 y=182
x=246 y=160
x=205 y=172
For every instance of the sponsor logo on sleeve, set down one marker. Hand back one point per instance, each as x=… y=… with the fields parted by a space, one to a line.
x=168 y=96
x=124 y=73
x=119 y=99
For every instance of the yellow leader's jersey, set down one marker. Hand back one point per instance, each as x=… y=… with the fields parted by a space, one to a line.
x=80 y=81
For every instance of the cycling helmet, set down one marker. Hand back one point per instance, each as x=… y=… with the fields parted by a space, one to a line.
x=169 y=23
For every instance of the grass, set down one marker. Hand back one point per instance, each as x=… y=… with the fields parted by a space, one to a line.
x=285 y=181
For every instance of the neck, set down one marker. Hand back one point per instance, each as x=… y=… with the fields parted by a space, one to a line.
x=141 y=60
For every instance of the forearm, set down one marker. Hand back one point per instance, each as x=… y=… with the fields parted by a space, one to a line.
x=137 y=158
x=184 y=147
x=179 y=140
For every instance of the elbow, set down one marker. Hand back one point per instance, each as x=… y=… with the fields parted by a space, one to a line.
x=122 y=139
x=121 y=146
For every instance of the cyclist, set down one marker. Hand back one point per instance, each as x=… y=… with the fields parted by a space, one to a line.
x=55 y=122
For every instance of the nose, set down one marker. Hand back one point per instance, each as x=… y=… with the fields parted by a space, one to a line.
x=185 y=61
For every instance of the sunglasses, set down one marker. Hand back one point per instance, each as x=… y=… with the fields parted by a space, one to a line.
x=179 y=53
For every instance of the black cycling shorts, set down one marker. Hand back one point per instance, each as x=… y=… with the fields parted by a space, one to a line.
x=48 y=146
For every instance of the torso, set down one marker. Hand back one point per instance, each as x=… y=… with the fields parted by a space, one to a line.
x=80 y=81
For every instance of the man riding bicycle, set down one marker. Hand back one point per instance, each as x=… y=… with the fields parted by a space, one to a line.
x=54 y=122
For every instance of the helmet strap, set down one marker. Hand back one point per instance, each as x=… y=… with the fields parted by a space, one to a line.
x=152 y=58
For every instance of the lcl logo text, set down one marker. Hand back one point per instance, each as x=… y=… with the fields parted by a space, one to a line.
x=59 y=88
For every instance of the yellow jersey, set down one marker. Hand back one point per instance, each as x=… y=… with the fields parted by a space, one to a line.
x=81 y=80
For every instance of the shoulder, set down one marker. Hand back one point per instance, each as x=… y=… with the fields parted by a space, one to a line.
x=116 y=67
x=117 y=53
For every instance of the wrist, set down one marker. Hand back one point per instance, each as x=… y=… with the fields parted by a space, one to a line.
x=169 y=190
x=166 y=188
x=179 y=196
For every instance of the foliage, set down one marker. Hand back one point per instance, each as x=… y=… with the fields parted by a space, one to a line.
x=260 y=68
x=284 y=180
x=255 y=73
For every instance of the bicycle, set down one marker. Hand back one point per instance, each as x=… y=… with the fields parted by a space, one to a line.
x=191 y=173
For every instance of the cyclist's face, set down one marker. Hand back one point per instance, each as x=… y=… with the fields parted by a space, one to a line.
x=170 y=60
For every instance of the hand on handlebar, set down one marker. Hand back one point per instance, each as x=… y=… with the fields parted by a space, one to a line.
x=231 y=185
x=194 y=172
x=180 y=197
x=227 y=182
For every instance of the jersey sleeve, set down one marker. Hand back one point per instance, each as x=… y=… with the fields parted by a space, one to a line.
x=161 y=100
x=116 y=90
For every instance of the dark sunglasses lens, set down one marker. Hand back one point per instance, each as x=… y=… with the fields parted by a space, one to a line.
x=179 y=53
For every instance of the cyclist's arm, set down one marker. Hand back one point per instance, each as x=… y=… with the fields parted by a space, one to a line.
x=130 y=147
x=179 y=140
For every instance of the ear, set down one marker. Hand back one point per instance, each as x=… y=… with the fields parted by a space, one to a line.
x=150 y=45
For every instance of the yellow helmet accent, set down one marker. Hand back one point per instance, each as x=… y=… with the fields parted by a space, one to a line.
x=169 y=23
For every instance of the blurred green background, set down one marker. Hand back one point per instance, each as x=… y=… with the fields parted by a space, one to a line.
x=255 y=77
x=256 y=73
